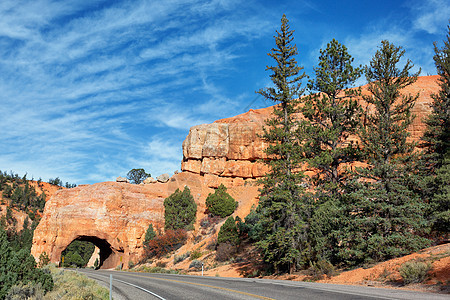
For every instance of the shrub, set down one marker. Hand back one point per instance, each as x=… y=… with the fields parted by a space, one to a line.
x=150 y=234
x=196 y=264
x=320 y=268
x=414 y=271
x=228 y=232
x=180 y=258
x=225 y=252
x=27 y=291
x=221 y=203
x=212 y=245
x=43 y=259
x=196 y=254
x=161 y=264
x=180 y=210
x=165 y=243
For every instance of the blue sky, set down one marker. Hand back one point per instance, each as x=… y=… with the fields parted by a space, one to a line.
x=91 y=89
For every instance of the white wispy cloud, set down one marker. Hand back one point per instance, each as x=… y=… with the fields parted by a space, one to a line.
x=80 y=80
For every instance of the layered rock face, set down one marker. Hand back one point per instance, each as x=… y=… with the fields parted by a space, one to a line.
x=227 y=151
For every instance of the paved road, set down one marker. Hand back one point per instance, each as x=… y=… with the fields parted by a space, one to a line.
x=129 y=285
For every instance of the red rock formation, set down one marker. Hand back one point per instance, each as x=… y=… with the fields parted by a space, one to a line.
x=229 y=148
x=114 y=216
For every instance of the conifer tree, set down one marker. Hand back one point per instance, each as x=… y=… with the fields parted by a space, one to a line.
x=385 y=213
x=331 y=116
x=435 y=161
x=280 y=207
x=180 y=210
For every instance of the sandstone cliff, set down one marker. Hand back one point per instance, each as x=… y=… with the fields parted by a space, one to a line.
x=114 y=216
x=227 y=150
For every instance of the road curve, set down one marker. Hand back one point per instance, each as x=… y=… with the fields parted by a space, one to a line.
x=130 y=285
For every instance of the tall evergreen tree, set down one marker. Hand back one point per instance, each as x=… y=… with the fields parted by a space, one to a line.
x=435 y=161
x=385 y=213
x=331 y=116
x=280 y=207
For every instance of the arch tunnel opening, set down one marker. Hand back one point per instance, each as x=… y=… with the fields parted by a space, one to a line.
x=108 y=258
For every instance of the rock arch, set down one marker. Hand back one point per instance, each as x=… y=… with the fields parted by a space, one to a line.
x=110 y=256
x=113 y=216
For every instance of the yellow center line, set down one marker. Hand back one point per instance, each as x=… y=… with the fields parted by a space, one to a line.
x=205 y=285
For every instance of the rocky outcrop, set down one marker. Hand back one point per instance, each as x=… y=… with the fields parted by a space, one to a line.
x=115 y=216
x=227 y=151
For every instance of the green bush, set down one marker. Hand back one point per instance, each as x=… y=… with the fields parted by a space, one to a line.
x=180 y=258
x=195 y=254
x=180 y=210
x=196 y=264
x=221 y=203
x=19 y=267
x=228 y=232
x=414 y=271
x=150 y=234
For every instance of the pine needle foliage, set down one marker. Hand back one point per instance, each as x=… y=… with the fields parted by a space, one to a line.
x=180 y=210
x=281 y=209
x=435 y=162
x=331 y=114
x=228 y=232
x=385 y=214
x=220 y=203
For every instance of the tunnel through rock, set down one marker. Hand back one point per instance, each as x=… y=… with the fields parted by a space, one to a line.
x=108 y=257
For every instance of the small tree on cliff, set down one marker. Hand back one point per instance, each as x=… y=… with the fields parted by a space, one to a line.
x=180 y=210
x=331 y=116
x=384 y=212
x=136 y=176
x=282 y=212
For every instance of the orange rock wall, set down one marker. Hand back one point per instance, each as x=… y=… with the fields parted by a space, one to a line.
x=227 y=150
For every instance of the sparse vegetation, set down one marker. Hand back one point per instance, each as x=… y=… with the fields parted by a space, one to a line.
x=73 y=285
x=414 y=271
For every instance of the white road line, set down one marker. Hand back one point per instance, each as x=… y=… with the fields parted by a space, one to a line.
x=136 y=286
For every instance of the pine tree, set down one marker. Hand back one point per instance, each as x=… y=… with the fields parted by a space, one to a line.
x=385 y=214
x=435 y=162
x=220 y=203
x=180 y=210
x=280 y=206
x=331 y=116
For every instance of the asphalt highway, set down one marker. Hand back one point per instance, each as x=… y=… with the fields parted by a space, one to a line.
x=130 y=285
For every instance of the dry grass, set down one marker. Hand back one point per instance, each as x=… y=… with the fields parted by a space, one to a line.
x=70 y=285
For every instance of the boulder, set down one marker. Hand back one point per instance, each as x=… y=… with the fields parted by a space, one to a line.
x=122 y=179
x=149 y=180
x=163 y=178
